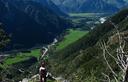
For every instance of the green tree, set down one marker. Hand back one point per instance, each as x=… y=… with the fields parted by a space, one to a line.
x=4 y=39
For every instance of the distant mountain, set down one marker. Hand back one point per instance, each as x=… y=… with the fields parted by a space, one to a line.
x=69 y=5
x=97 y=6
x=116 y=3
x=90 y=5
x=30 y=23
x=46 y=3
x=55 y=8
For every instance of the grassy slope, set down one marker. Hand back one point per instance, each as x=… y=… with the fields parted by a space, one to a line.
x=73 y=36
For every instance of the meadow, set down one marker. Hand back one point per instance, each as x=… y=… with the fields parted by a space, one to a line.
x=70 y=37
x=19 y=57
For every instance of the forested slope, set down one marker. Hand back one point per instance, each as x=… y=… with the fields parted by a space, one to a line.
x=30 y=23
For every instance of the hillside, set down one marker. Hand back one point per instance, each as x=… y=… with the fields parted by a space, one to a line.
x=45 y=3
x=83 y=59
x=30 y=23
x=108 y=6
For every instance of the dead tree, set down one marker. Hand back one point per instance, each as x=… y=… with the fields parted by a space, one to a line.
x=121 y=59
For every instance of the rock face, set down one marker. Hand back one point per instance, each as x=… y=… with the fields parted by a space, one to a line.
x=90 y=5
x=30 y=23
x=24 y=80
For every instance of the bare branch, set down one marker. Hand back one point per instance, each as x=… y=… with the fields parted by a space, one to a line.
x=108 y=78
x=104 y=55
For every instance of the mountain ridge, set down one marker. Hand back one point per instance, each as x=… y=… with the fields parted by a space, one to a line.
x=37 y=25
x=80 y=5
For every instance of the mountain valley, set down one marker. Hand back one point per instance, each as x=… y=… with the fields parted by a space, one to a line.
x=72 y=40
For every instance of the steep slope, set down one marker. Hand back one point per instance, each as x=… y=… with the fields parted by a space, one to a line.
x=83 y=61
x=29 y=23
x=45 y=3
x=55 y=8
x=66 y=5
x=87 y=6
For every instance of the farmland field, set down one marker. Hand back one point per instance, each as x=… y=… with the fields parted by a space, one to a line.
x=19 y=57
x=85 y=14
